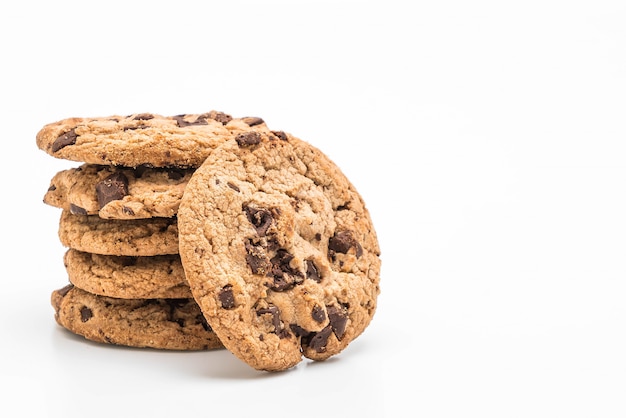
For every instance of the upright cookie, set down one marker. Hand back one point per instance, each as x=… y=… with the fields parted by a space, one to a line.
x=159 y=276
x=142 y=139
x=279 y=251
x=139 y=237
x=118 y=192
x=169 y=324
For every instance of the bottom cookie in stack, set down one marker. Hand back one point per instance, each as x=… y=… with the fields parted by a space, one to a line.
x=169 y=324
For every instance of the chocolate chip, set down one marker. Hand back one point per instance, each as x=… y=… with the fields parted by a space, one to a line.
x=342 y=241
x=144 y=116
x=276 y=322
x=260 y=218
x=85 y=314
x=77 y=210
x=285 y=276
x=318 y=314
x=220 y=117
x=257 y=259
x=319 y=340
x=65 y=290
x=68 y=138
x=311 y=271
x=280 y=134
x=113 y=187
x=248 y=138
x=52 y=188
x=338 y=317
x=252 y=120
x=232 y=186
x=226 y=297
x=200 y=120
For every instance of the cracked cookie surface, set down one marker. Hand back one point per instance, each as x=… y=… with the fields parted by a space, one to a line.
x=169 y=324
x=118 y=192
x=279 y=251
x=182 y=141
x=125 y=277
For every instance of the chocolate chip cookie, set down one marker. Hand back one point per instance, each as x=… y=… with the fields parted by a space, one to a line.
x=118 y=192
x=125 y=277
x=182 y=141
x=169 y=324
x=138 y=237
x=279 y=250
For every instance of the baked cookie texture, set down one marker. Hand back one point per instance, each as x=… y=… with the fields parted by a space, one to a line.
x=118 y=192
x=127 y=277
x=169 y=324
x=138 y=237
x=279 y=250
x=147 y=139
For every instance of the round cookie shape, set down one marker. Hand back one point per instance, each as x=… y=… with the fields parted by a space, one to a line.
x=167 y=324
x=118 y=192
x=279 y=251
x=125 y=277
x=136 y=237
x=182 y=141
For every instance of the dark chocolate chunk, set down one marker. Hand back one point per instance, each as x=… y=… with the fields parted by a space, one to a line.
x=68 y=138
x=248 y=138
x=221 y=117
x=113 y=187
x=226 y=297
x=342 y=241
x=338 y=317
x=52 y=188
x=280 y=134
x=318 y=314
x=257 y=259
x=128 y=211
x=311 y=271
x=64 y=291
x=318 y=340
x=77 y=210
x=85 y=314
x=285 y=276
x=276 y=322
x=200 y=120
x=253 y=121
x=260 y=218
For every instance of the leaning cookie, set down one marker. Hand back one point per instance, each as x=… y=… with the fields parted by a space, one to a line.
x=118 y=192
x=279 y=251
x=182 y=141
x=160 y=276
x=169 y=324
x=138 y=237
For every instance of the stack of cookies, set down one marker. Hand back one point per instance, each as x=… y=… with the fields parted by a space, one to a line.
x=204 y=231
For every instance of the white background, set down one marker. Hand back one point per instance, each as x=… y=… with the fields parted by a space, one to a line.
x=487 y=138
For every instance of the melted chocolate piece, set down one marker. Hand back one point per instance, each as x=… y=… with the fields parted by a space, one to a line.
x=256 y=258
x=226 y=297
x=318 y=314
x=342 y=241
x=260 y=218
x=317 y=341
x=338 y=317
x=248 y=138
x=311 y=271
x=85 y=314
x=278 y=324
x=144 y=116
x=113 y=187
x=220 y=117
x=68 y=138
x=77 y=210
x=182 y=123
x=281 y=135
x=285 y=277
